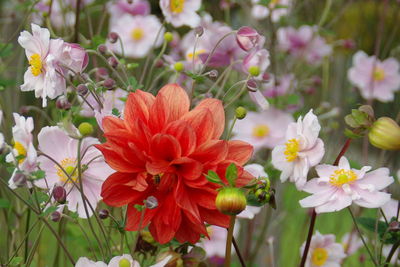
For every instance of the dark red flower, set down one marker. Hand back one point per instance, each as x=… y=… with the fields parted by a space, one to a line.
x=162 y=149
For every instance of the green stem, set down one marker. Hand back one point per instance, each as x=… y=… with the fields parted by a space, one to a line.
x=229 y=133
x=228 y=249
x=325 y=13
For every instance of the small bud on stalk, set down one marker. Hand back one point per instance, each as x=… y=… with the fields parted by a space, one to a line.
x=59 y=194
x=385 y=134
x=252 y=85
x=151 y=202
x=113 y=62
x=102 y=49
x=63 y=103
x=113 y=37
x=240 y=113
x=254 y=71
x=230 y=201
x=103 y=214
x=85 y=129
x=168 y=37
x=109 y=83
x=179 y=67
x=247 y=38
x=19 y=179
x=82 y=89
x=55 y=216
x=199 y=30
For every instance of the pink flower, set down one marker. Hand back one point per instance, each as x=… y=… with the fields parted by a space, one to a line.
x=303 y=43
x=264 y=129
x=74 y=57
x=374 y=78
x=302 y=150
x=138 y=35
x=63 y=149
x=351 y=243
x=390 y=209
x=215 y=245
x=324 y=252
x=120 y=7
x=181 y=12
x=261 y=12
x=282 y=85
x=339 y=186
x=259 y=58
x=247 y=38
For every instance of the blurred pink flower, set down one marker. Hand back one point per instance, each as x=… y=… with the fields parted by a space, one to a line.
x=374 y=78
x=302 y=150
x=390 y=209
x=264 y=129
x=351 y=243
x=181 y=12
x=74 y=57
x=324 y=252
x=282 y=85
x=260 y=12
x=23 y=153
x=63 y=149
x=121 y=7
x=259 y=58
x=215 y=245
x=304 y=43
x=247 y=38
x=116 y=262
x=339 y=186
x=138 y=35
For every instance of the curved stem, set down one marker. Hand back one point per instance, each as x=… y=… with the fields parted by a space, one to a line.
x=238 y=252
x=391 y=253
x=309 y=237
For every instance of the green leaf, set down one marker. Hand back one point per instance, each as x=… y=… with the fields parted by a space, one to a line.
x=213 y=177
x=5 y=49
x=39 y=174
x=16 y=261
x=49 y=210
x=370 y=224
x=293 y=99
x=196 y=77
x=116 y=112
x=253 y=201
x=350 y=134
x=231 y=174
x=4 y=203
x=264 y=2
x=40 y=197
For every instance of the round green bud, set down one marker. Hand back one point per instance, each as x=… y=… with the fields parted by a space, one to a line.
x=231 y=201
x=179 y=67
x=168 y=37
x=85 y=129
x=124 y=263
x=240 y=113
x=254 y=71
x=385 y=134
x=131 y=66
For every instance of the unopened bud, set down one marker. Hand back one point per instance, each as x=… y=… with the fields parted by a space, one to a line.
x=109 y=83
x=230 y=201
x=247 y=38
x=59 y=194
x=159 y=63
x=213 y=74
x=349 y=44
x=55 y=216
x=199 y=30
x=19 y=179
x=85 y=129
x=102 y=73
x=254 y=71
x=179 y=67
x=252 y=85
x=103 y=214
x=151 y=202
x=113 y=37
x=385 y=134
x=63 y=103
x=113 y=62
x=168 y=37
x=102 y=49
x=82 y=89
x=394 y=226
x=240 y=113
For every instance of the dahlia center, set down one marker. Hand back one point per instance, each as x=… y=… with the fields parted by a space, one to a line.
x=36 y=64
x=319 y=256
x=20 y=150
x=70 y=168
x=176 y=6
x=341 y=177
x=260 y=131
x=137 y=34
x=190 y=56
x=379 y=74
x=292 y=149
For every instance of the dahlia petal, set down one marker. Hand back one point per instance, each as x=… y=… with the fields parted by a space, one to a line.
x=202 y=122
x=218 y=113
x=212 y=152
x=110 y=123
x=115 y=159
x=137 y=105
x=159 y=114
x=214 y=217
x=239 y=151
x=185 y=135
x=176 y=99
x=189 y=231
x=165 y=147
x=185 y=201
x=188 y=168
x=134 y=216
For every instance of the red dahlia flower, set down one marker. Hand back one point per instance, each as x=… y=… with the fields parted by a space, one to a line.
x=162 y=149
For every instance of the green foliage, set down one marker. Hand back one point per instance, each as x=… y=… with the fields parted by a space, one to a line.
x=213 y=177
x=4 y=203
x=231 y=174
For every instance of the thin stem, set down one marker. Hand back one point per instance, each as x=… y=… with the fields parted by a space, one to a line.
x=229 y=133
x=309 y=237
x=229 y=238
x=391 y=253
x=325 y=13
x=242 y=262
x=77 y=15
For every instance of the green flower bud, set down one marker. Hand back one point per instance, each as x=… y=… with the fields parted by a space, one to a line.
x=85 y=129
x=240 y=113
x=254 y=71
x=385 y=134
x=179 y=67
x=168 y=37
x=231 y=201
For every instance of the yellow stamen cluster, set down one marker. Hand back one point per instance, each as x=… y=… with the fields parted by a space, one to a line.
x=36 y=64
x=379 y=74
x=176 y=5
x=20 y=150
x=189 y=56
x=260 y=131
x=137 y=34
x=292 y=149
x=69 y=165
x=341 y=177
x=319 y=256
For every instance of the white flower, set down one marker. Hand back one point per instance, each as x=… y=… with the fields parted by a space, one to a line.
x=23 y=153
x=118 y=261
x=85 y=262
x=324 y=252
x=138 y=35
x=181 y=12
x=55 y=143
x=43 y=55
x=302 y=150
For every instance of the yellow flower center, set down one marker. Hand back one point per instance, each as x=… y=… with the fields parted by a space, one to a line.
x=124 y=263
x=36 y=64
x=379 y=74
x=20 y=150
x=176 y=5
x=260 y=131
x=319 y=256
x=137 y=34
x=189 y=56
x=341 y=177
x=69 y=165
x=292 y=149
